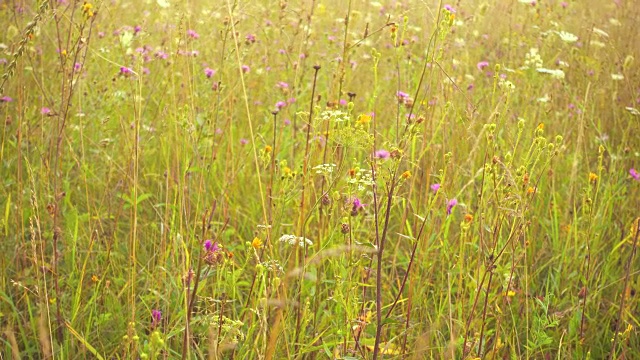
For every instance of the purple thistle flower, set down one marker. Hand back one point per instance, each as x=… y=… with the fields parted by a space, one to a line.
x=244 y=141
x=5 y=99
x=282 y=85
x=435 y=187
x=401 y=95
x=381 y=154
x=193 y=34
x=634 y=174
x=482 y=64
x=209 y=72
x=251 y=38
x=156 y=317
x=245 y=69
x=45 y=111
x=280 y=105
x=125 y=71
x=450 y=205
x=357 y=206
x=208 y=245
x=450 y=8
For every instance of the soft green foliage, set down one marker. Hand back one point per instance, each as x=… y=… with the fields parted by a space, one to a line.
x=319 y=179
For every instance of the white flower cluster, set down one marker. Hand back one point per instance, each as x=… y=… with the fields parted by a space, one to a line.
x=324 y=169
x=295 y=240
x=362 y=179
x=532 y=59
x=556 y=74
x=335 y=115
x=567 y=36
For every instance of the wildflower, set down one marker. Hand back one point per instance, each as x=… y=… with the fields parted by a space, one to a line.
x=295 y=240
x=125 y=71
x=77 y=66
x=5 y=99
x=531 y=190
x=245 y=69
x=381 y=154
x=450 y=8
x=468 y=218
x=250 y=39
x=268 y=149
x=555 y=73
x=87 y=9
x=593 y=177
x=210 y=246
x=244 y=141
x=208 y=72
x=156 y=317
x=357 y=206
x=634 y=174
x=280 y=105
x=214 y=253
x=435 y=187
x=406 y=175
x=193 y=34
x=363 y=119
x=450 y=205
x=256 y=243
x=94 y=278
x=567 y=37
x=45 y=111
x=402 y=96
x=482 y=64
x=137 y=29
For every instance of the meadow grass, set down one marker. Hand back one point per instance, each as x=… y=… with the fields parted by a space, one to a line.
x=319 y=179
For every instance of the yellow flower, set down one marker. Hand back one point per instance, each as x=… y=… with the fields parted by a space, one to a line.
x=530 y=190
x=267 y=149
x=363 y=119
x=95 y=278
x=593 y=177
x=256 y=243
x=405 y=175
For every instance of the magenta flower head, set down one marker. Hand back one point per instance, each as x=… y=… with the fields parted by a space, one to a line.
x=401 y=95
x=45 y=111
x=250 y=39
x=450 y=205
x=280 y=105
x=125 y=71
x=634 y=174
x=208 y=72
x=482 y=64
x=245 y=69
x=244 y=141
x=5 y=99
x=156 y=317
x=193 y=34
x=450 y=8
x=381 y=154
x=208 y=245
x=357 y=206
x=435 y=187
